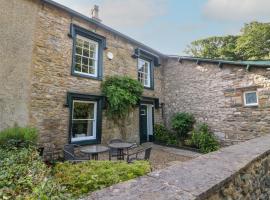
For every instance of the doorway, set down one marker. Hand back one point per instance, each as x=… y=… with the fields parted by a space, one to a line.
x=146 y=122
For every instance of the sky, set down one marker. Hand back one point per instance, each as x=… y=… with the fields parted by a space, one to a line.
x=170 y=25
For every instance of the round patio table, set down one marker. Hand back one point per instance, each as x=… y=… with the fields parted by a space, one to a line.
x=120 y=146
x=94 y=150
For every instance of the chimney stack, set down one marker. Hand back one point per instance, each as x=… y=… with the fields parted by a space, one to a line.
x=94 y=13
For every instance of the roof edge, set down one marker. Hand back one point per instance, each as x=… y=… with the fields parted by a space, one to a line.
x=247 y=63
x=103 y=26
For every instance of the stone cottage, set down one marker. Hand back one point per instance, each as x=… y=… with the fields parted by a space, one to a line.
x=53 y=60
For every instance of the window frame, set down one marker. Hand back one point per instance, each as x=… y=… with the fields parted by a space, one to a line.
x=151 y=72
x=73 y=96
x=94 y=119
x=250 y=104
x=95 y=59
x=76 y=31
x=148 y=72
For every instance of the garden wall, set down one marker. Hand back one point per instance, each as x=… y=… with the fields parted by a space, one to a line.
x=215 y=96
x=237 y=172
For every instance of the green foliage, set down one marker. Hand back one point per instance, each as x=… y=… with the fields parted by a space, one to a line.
x=89 y=176
x=252 y=43
x=164 y=136
x=123 y=93
x=18 y=135
x=203 y=139
x=23 y=175
x=214 y=47
x=182 y=123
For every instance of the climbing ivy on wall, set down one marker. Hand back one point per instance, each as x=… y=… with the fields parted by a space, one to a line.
x=122 y=94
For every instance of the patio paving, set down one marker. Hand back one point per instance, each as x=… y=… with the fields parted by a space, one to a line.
x=162 y=156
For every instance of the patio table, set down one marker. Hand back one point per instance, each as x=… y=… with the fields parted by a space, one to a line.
x=94 y=150
x=120 y=146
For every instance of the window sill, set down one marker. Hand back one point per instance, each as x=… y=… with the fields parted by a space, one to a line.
x=85 y=142
x=148 y=88
x=86 y=76
x=251 y=106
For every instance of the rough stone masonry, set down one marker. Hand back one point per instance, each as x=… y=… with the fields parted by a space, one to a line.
x=35 y=82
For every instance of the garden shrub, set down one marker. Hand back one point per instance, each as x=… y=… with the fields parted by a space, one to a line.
x=183 y=123
x=18 y=136
x=122 y=93
x=24 y=175
x=203 y=139
x=85 y=177
x=164 y=136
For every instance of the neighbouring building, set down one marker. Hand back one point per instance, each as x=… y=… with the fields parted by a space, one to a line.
x=53 y=60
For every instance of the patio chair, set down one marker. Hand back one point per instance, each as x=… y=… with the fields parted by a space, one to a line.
x=114 y=152
x=146 y=152
x=69 y=154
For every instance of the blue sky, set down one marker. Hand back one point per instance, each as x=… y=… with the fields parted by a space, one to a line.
x=170 y=25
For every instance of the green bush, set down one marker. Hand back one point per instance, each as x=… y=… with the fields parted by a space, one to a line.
x=24 y=175
x=89 y=176
x=18 y=135
x=122 y=93
x=203 y=139
x=182 y=123
x=164 y=136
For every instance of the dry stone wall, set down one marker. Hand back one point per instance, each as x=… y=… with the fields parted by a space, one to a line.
x=238 y=172
x=215 y=96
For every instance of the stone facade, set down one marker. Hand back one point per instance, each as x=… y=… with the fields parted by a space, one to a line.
x=215 y=96
x=51 y=77
x=15 y=60
x=39 y=76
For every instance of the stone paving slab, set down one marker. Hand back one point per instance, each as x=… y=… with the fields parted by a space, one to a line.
x=191 y=179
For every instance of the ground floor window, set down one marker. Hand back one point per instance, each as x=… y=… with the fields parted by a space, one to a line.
x=84 y=115
x=85 y=118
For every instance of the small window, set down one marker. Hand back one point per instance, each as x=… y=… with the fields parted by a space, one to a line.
x=84 y=120
x=251 y=98
x=86 y=56
x=144 y=72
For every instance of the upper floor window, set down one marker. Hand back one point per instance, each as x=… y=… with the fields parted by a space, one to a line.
x=251 y=98
x=87 y=53
x=86 y=56
x=144 y=72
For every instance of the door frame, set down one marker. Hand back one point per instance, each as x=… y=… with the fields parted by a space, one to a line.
x=149 y=105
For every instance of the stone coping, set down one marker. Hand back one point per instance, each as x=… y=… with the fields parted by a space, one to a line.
x=193 y=179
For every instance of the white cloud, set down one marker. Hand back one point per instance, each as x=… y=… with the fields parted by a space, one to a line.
x=237 y=10
x=121 y=13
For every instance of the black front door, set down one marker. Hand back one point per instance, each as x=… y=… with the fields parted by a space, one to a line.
x=143 y=123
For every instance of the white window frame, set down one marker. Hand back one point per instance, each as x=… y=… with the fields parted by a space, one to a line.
x=94 y=122
x=140 y=60
x=251 y=104
x=95 y=59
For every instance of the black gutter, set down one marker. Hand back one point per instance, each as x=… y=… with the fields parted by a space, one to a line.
x=103 y=26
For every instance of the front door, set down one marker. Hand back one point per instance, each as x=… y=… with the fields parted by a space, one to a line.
x=146 y=123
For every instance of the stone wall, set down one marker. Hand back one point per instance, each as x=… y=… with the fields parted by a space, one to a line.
x=237 y=172
x=215 y=96
x=16 y=38
x=52 y=79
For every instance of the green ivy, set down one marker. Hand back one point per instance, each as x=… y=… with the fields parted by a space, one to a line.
x=123 y=94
